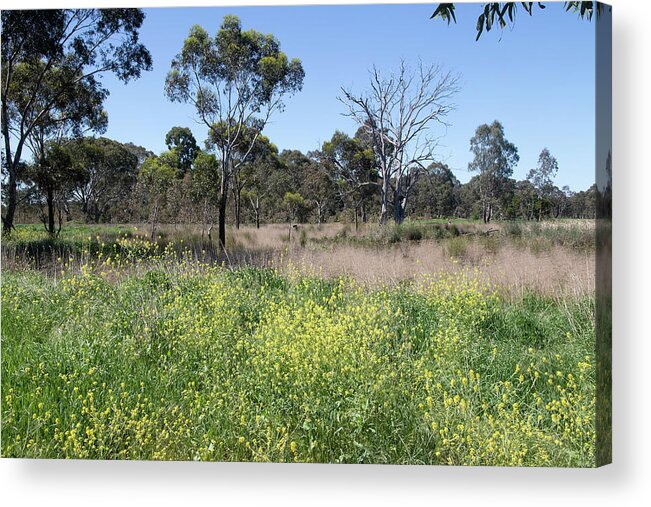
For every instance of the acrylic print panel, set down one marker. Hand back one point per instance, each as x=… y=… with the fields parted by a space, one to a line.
x=334 y=234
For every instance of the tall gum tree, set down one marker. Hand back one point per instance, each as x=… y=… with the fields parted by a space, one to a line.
x=236 y=81
x=542 y=179
x=64 y=52
x=494 y=159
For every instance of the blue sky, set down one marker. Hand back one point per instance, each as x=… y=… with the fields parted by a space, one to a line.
x=537 y=78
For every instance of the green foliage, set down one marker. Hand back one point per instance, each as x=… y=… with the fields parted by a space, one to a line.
x=248 y=63
x=205 y=175
x=412 y=232
x=108 y=174
x=293 y=199
x=252 y=365
x=541 y=179
x=157 y=173
x=436 y=191
x=52 y=60
x=250 y=69
x=494 y=160
x=497 y=12
x=457 y=247
x=55 y=170
x=181 y=141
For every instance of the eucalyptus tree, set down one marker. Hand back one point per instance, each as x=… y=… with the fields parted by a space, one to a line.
x=78 y=111
x=182 y=141
x=236 y=81
x=351 y=166
x=542 y=179
x=203 y=192
x=292 y=201
x=259 y=187
x=157 y=175
x=108 y=173
x=318 y=188
x=51 y=64
x=52 y=177
x=398 y=113
x=436 y=192
x=255 y=147
x=494 y=160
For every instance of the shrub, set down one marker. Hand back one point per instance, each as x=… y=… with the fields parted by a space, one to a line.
x=412 y=232
x=490 y=243
x=457 y=247
x=513 y=229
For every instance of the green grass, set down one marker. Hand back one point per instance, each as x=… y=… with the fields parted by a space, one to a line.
x=189 y=362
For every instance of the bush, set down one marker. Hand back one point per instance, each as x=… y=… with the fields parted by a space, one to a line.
x=491 y=244
x=457 y=247
x=412 y=232
x=453 y=229
x=513 y=229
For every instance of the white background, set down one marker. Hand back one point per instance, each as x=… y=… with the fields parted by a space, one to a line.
x=625 y=482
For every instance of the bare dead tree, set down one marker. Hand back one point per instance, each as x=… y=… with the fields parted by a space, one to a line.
x=398 y=112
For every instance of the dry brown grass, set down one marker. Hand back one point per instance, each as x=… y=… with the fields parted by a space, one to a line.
x=514 y=266
x=558 y=271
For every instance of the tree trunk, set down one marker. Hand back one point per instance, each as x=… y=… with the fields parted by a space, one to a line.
x=204 y=218
x=223 y=198
x=13 y=165
x=8 y=219
x=398 y=210
x=363 y=209
x=356 y=222
x=60 y=207
x=236 y=195
x=154 y=220
x=49 y=197
x=256 y=209
x=384 y=212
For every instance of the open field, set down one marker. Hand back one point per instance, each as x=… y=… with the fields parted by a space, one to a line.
x=422 y=344
x=550 y=258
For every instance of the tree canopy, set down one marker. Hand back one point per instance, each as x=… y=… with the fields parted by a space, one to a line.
x=182 y=142
x=51 y=62
x=494 y=159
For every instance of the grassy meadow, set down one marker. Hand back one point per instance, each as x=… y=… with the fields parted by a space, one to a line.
x=429 y=343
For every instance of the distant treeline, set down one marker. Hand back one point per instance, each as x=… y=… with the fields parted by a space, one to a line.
x=98 y=180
